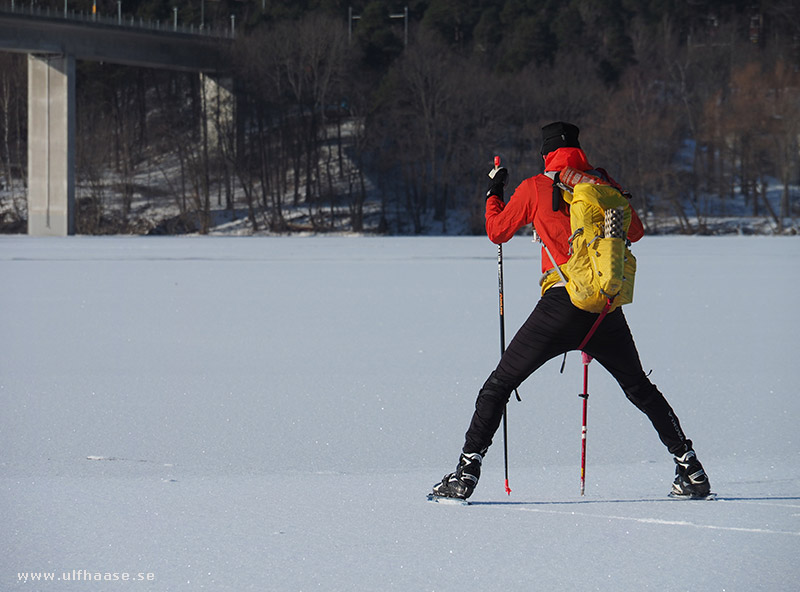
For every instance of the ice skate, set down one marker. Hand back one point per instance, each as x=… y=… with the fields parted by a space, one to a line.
x=461 y=483
x=691 y=481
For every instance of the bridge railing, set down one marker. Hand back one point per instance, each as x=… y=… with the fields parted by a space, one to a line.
x=29 y=9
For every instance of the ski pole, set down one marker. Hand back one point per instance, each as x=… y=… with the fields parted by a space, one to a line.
x=503 y=346
x=502 y=349
x=586 y=358
x=585 y=396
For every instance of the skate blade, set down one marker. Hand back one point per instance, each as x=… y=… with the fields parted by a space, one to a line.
x=450 y=501
x=709 y=497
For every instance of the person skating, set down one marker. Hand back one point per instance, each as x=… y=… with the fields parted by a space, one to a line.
x=556 y=326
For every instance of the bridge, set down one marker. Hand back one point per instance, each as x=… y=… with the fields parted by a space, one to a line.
x=53 y=44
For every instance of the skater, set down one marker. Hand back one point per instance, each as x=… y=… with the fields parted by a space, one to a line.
x=556 y=326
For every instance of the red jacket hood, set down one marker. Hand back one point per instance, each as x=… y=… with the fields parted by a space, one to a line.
x=559 y=159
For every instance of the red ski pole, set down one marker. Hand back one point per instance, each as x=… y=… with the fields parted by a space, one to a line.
x=585 y=396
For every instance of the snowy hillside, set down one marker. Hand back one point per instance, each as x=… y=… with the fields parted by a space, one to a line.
x=267 y=414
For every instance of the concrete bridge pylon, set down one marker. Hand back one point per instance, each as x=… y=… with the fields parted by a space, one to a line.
x=51 y=145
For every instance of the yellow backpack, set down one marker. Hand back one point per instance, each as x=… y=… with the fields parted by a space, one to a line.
x=601 y=268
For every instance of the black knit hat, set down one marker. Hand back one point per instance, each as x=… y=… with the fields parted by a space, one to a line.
x=559 y=135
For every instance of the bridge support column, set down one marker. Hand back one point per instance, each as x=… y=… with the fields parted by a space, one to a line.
x=219 y=107
x=51 y=145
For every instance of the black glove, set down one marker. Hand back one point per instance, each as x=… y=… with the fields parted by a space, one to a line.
x=498 y=177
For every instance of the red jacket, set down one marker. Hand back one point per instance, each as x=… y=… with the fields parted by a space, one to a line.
x=532 y=202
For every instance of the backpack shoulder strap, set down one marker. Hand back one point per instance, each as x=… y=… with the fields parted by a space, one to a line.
x=556 y=192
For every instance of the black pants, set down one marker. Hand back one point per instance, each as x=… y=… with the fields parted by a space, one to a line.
x=557 y=326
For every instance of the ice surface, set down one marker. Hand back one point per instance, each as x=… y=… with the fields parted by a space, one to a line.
x=269 y=414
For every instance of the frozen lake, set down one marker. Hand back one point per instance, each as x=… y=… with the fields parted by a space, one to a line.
x=234 y=414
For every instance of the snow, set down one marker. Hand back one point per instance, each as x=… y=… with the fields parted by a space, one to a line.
x=265 y=413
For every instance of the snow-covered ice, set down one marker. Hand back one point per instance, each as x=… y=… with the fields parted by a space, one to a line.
x=268 y=414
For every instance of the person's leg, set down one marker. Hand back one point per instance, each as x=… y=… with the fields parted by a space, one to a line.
x=613 y=347
x=549 y=331
x=554 y=327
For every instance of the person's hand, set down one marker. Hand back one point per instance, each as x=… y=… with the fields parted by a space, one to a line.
x=498 y=177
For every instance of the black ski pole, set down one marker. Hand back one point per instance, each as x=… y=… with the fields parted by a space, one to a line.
x=503 y=346
x=502 y=351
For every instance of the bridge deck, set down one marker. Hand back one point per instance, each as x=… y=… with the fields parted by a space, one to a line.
x=101 y=42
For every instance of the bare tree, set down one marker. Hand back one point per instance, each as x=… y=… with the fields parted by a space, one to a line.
x=783 y=99
x=293 y=73
x=12 y=130
x=433 y=123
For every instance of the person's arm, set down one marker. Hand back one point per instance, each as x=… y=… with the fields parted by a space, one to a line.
x=504 y=219
x=636 y=229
